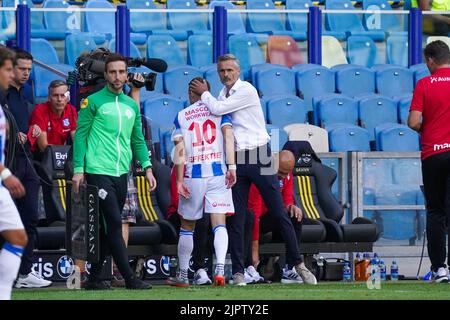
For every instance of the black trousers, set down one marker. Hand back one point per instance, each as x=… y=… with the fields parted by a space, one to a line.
x=28 y=208
x=201 y=236
x=436 y=182
x=253 y=167
x=114 y=190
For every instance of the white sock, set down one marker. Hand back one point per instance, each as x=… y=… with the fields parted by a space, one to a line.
x=185 y=247
x=10 y=258
x=220 y=246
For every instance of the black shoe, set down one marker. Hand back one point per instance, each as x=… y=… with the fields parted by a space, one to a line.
x=97 y=285
x=136 y=284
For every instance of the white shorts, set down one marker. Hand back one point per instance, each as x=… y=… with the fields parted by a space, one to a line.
x=207 y=195
x=9 y=216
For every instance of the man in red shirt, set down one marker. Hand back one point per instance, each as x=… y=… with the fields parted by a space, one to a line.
x=430 y=116
x=266 y=223
x=56 y=118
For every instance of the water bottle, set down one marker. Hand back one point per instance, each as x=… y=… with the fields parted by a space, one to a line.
x=377 y=260
x=228 y=268
x=173 y=266
x=382 y=267
x=346 y=273
x=394 y=271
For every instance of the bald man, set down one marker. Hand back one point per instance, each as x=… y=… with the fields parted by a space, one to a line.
x=266 y=222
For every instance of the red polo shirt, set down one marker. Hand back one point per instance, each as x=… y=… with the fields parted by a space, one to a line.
x=432 y=98
x=257 y=205
x=57 y=128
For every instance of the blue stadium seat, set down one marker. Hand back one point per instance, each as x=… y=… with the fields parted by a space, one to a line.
x=176 y=80
x=374 y=111
x=377 y=173
x=235 y=24
x=167 y=144
x=394 y=81
x=134 y=51
x=37 y=20
x=397 y=138
x=76 y=43
x=407 y=172
x=390 y=23
x=214 y=80
x=276 y=80
x=200 y=50
x=353 y=80
x=104 y=22
x=298 y=22
x=342 y=25
x=403 y=110
x=361 y=50
x=315 y=104
x=61 y=22
x=270 y=23
x=43 y=51
x=333 y=110
x=420 y=71
x=346 y=137
x=193 y=23
x=282 y=111
x=397 y=50
x=264 y=106
x=278 y=137
x=261 y=66
x=160 y=112
x=164 y=47
x=155 y=23
x=246 y=48
x=313 y=80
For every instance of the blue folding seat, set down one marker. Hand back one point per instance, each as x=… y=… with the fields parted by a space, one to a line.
x=76 y=43
x=354 y=80
x=278 y=137
x=342 y=25
x=420 y=71
x=214 y=81
x=390 y=23
x=153 y=23
x=394 y=81
x=282 y=111
x=164 y=47
x=261 y=66
x=313 y=80
x=361 y=50
x=298 y=22
x=276 y=81
x=37 y=20
x=235 y=23
x=43 y=51
x=403 y=109
x=397 y=50
x=134 y=51
x=200 y=50
x=193 y=23
x=333 y=110
x=246 y=48
x=160 y=112
x=374 y=111
x=176 y=80
x=397 y=138
x=104 y=22
x=347 y=137
x=264 y=101
x=315 y=104
x=270 y=23
x=167 y=145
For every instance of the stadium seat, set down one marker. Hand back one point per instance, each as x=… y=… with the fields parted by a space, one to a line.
x=390 y=23
x=397 y=50
x=397 y=138
x=407 y=172
x=164 y=47
x=168 y=145
x=134 y=51
x=298 y=22
x=235 y=23
x=61 y=22
x=104 y=22
x=332 y=52
x=347 y=137
x=403 y=110
x=342 y=25
x=193 y=23
x=312 y=192
x=394 y=81
x=246 y=48
x=283 y=50
x=37 y=20
x=420 y=71
x=275 y=81
x=278 y=137
x=270 y=23
x=376 y=110
x=259 y=67
x=313 y=80
x=361 y=50
x=200 y=50
x=337 y=109
x=156 y=23
x=352 y=80
x=176 y=80
x=316 y=136
x=160 y=112
x=76 y=44
x=286 y=110
x=377 y=173
x=214 y=80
